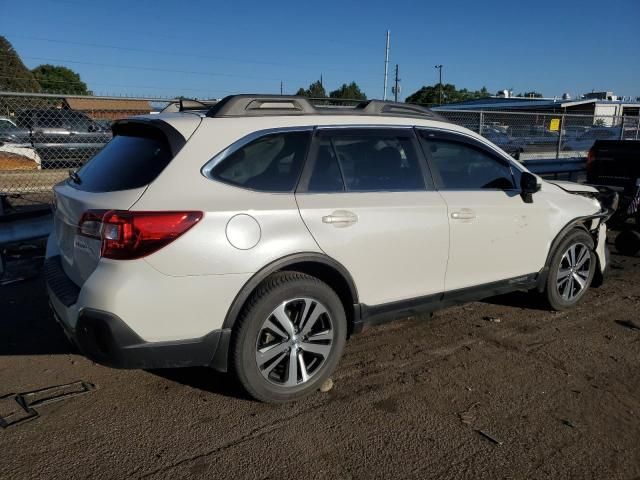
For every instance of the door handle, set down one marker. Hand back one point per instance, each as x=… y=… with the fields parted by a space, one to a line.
x=340 y=218
x=464 y=215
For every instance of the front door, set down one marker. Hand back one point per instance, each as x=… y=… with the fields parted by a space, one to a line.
x=495 y=235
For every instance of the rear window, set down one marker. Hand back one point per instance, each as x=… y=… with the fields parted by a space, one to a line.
x=125 y=163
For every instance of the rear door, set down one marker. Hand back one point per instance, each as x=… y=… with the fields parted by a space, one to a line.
x=365 y=197
x=494 y=234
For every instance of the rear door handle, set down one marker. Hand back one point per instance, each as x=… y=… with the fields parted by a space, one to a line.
x=464 y=215
x=340 y=218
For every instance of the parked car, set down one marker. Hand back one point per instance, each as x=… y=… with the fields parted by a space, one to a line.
x=16 y=142
x=257 y=236
x=500 y=138
x=63 y=138
x=11 y=133
x=616 y=164
x=582 y=143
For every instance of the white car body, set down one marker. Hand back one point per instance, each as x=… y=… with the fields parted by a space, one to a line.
x=393 y=247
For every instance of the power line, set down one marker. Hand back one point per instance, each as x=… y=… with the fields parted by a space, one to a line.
x=79 y=82
x=180 y=54
x=165 y=70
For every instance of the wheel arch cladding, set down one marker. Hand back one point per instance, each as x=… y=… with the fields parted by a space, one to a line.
x=575 y=224
x=320 y=266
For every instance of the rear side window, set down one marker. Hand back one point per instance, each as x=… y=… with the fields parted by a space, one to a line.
x=370 y=161
x=271 y=163
x=126 y=162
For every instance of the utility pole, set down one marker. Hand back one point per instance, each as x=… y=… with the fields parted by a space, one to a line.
x=386 y=66
x=396 y=87
x=439 y=67
x=280 y=87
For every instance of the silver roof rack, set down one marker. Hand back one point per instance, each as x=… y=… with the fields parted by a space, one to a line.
x=264 y=105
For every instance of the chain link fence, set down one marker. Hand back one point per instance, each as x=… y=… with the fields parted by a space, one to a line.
x=42 y=136
x=533 y=136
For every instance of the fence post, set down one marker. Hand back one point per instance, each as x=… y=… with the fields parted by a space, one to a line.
x=481 y=122
x=622 y=129
x=559 y=145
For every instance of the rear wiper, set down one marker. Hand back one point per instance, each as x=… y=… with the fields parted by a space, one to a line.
x=73 y=175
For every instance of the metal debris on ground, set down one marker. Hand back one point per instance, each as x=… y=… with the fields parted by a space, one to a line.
x=632 y=324
x=489 y=437
x=492 y=319
x=19 y=408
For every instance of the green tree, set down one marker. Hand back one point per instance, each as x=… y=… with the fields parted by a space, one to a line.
x=350 y=92
x=531 y=94
x=14 y=76
x=430 y=94
x=315 y=90
x=59 y=79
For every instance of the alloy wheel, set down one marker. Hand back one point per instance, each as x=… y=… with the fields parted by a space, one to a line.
x=294 y=342
x=573 y=272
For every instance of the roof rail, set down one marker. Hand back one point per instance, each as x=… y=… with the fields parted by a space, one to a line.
x=380 y=107
x=262 y=105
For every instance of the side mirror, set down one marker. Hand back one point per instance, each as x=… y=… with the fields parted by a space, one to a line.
x=528 y=186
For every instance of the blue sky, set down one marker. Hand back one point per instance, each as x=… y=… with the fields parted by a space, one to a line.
x=206 y=49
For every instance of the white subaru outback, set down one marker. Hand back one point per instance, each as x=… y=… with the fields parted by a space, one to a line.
x=257 y=235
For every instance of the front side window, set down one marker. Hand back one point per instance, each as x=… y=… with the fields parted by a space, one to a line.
x=271 y=163
x=460 y=166
x=5 y=124
x=366 y=162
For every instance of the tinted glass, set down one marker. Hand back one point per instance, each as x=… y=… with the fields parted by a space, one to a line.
x=326 y=176
x=459 y=166
x=126 y=162
x=378 y=163
x=271 y=163
x=5 y=124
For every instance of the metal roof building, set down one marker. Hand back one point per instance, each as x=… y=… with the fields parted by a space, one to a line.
x=587 y=106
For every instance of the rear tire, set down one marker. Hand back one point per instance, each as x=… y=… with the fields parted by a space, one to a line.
x=289 y=337
x=571 y=271
x=628 y=242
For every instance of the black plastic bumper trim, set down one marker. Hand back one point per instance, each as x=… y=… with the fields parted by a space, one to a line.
x=106 y=339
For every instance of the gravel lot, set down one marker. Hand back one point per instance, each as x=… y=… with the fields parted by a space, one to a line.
x=557 y=395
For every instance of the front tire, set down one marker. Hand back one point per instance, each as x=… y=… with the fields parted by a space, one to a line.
x=289 y=337
x=571 y=271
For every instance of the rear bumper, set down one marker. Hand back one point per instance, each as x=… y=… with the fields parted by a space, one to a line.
x=107 y=339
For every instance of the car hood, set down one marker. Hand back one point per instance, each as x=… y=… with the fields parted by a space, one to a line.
x=573 y=187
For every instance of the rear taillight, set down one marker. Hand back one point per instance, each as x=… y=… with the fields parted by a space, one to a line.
x=128 y=235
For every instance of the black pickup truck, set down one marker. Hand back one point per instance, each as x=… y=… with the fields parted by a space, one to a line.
x=616 y=164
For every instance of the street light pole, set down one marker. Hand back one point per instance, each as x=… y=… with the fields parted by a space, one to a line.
x=439 y=67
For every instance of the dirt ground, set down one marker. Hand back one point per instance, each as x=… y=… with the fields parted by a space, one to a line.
x=498 y=389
